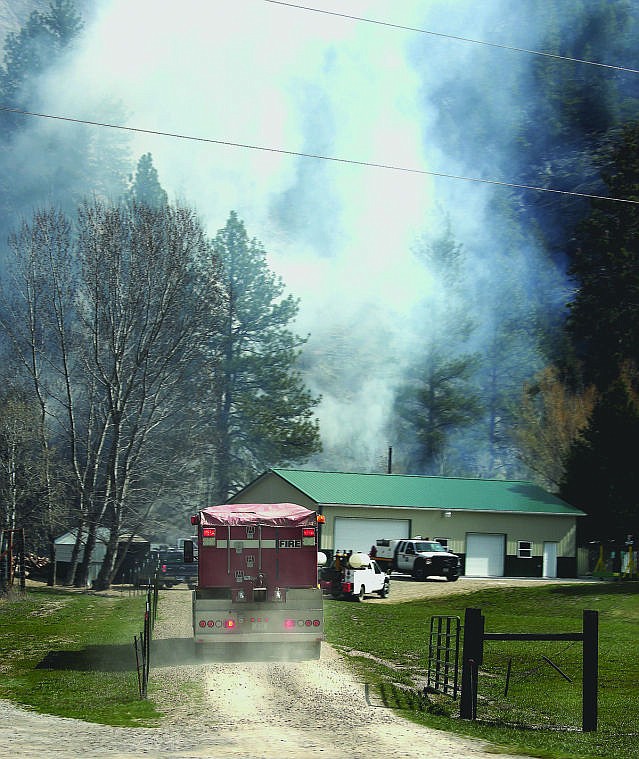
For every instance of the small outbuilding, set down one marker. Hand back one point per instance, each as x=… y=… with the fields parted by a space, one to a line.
x=64 y=551
x=500 y=528
x=133 y=554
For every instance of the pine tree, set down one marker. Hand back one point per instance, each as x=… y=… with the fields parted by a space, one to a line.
x=604 y=318
x=29 y=52
x=604 y=323
x=145 y=187
x=80 y=159
x=601 y=474
x=262 y=413
x=437 y=397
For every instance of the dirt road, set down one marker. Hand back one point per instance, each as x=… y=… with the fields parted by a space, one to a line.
x=249 y=710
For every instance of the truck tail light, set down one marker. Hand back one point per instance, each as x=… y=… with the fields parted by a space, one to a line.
x=195 y=519
x=208 y=532
x=290 y=624
x=347 y=587
x=308 y=532
x=229 y=624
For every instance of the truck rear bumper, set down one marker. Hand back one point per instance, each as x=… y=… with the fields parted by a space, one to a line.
x=222 y=621
x=257 y=638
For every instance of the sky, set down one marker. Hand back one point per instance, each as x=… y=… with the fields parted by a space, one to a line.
x=340 y=235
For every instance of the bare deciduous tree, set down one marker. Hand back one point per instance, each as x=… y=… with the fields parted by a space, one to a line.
x=550 y=418
x=109 y=320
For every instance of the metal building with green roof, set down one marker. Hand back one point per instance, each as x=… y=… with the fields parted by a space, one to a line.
x=498 y=527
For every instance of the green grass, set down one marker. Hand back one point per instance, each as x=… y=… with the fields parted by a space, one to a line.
x=541 y=713
x=72 y=655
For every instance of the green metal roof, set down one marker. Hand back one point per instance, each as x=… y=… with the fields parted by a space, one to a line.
x=420 y=492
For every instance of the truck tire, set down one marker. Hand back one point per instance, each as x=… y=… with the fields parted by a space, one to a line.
x=359 y=596
x=452 y=578
x=383 y=593
x=419 y=571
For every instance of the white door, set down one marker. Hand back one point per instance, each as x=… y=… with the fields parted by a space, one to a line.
x=485 y=554
x=549 y=567
x=351 y=534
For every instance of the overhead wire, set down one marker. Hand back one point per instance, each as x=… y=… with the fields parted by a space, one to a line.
x=371 y=164
x=455 y=37
x=318 y=156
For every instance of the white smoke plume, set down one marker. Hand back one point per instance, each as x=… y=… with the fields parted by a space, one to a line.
x=340 y=235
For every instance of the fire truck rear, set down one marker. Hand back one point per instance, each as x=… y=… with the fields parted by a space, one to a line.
x=257 y=578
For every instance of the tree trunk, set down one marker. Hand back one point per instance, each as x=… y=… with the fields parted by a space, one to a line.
x=82 y=578
x=70 y=579
x=105 y=575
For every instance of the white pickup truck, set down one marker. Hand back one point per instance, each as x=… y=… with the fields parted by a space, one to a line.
x=421 y=558
x=354 y=576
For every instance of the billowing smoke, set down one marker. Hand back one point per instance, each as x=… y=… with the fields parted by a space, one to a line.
x=339 y=234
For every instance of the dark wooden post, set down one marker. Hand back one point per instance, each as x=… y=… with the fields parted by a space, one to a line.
x=10 y=555
x=23 y=576
x=472 y=655
x=590 y=669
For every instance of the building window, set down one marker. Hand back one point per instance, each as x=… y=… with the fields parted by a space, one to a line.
x=443 y=541
x=524 y=549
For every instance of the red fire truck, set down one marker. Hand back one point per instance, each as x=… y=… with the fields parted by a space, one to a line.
x=257 y=575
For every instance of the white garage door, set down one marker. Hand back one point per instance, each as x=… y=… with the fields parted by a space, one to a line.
x=360 y=534
x=484 y=554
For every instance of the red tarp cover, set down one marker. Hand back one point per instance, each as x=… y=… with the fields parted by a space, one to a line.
x=271 y=514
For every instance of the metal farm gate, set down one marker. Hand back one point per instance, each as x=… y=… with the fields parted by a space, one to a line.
x=473 y=658
x=443 y=659
x=443 y=655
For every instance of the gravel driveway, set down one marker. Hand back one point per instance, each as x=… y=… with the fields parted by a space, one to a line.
x=256 y=709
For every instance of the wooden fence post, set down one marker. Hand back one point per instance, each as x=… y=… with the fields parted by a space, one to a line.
x=472 y=656
x=590 y=670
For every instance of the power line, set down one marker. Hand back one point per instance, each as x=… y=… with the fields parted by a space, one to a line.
x=318 y=156
x=454 y=37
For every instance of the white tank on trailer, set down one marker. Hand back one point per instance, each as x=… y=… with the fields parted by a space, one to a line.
x=359 y=560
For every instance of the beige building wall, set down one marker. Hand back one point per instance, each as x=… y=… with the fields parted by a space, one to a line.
x=431 y=523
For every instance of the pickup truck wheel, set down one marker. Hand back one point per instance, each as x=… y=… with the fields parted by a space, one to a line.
x=419 y=571
x=360 y=595
x=383 y=593
x=452 y=578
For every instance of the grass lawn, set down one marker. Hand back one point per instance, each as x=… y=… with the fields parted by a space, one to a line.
x=540 y=710
x=72 y=654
